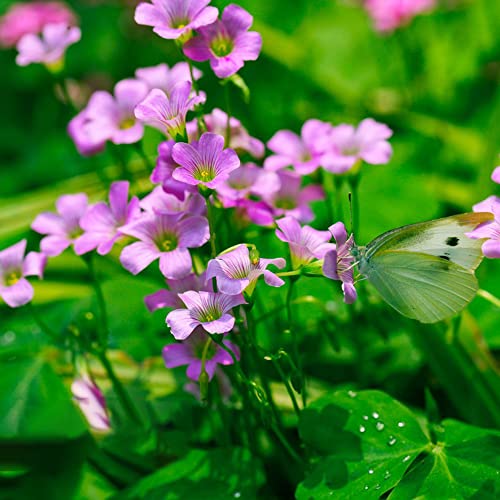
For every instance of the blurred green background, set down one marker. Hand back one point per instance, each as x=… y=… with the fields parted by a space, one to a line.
x=435 y=82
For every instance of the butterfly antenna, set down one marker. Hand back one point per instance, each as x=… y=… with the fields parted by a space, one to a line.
x=350 y=210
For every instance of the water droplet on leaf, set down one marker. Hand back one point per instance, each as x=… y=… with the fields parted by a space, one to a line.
x=380 y=426
x=362 y=429
x=401 y=424
x=392 y=441
x=375 y=415
x=370 y=471
x=405 y=459
x=387 y=475
x=365 y=417
x=352 y=394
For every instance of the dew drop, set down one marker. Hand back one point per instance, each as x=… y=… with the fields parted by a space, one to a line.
x=392 y=441
x=401 y=424
x=370 y=471
x=362 y=428
x=352 y=394
x=7 y=338
x=365 y=417
x=377 y=486
x=366 y=487
x=237 y=494
x=405 y=459
x=375 y=415
x=380 y=426
x=387 y=475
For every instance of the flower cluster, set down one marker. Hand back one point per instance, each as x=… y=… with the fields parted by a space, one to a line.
x=389 y=15
x=490 y=231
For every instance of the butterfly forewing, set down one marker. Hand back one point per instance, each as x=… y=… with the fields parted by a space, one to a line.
x=444 y=238
x=420 y=286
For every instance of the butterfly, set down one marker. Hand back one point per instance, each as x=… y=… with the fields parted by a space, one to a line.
x=425 y=271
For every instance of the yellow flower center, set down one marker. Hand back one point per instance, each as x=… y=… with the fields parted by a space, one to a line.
x=222 y=46
x=127 y=123
x=12 y=278
x=286 y=203
x=204 y=174
x=169 y=243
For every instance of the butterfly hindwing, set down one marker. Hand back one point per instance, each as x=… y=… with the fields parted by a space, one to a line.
x=444 y=238
x=423 y=287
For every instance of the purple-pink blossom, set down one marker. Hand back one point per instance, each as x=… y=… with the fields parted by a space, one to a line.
x=235 y=271
x=306 y=243
x=15 y=289
x=488 y=230
x=391 y=14
x=190 y=353
x=168 y=112
x=247 y=180
x=338 y=263
x=207 y=309
x=346 y=145
x=91 y=402
x=49 y=47
x=495 y=176
x=303 y=152
x=239 y=138
x=226 y=43
x=160 y=202
x=164 y=237
x=101 y=222
x=205 y=162
x=63 y=228
x=291 y=199
x=164 y=78
x=162 y=173
x=174 y=19
x=258 y=212
x=170 y=298
x=32 y=17
x=109 y=118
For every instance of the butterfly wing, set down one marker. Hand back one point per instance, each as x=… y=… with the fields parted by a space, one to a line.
x=444 y=238
x=421 y=286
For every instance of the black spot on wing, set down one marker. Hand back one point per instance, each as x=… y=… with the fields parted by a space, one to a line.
x=452 y=241
x=444 y=257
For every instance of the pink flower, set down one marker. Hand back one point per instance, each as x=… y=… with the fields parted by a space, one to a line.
x=495 y=176
x=226 y=43
x=239 y=139
x=190 y=353
x=62 y=229
x=49 y=48
x=159 y=202
x=168 y=112
x=293 y=200
x=488 y=230
x=302 y=153
x=164 y=237
x=170 y=298
x=207 y=309
x=92 y=403
x=391 y=14
x=306 y=243
x=164 y=78
x=101 y=223
x=109 y=118
x=172 y=19
x=205 y=162
x=15 y=289
x=162 y=173
x=348 y=144
x=31 y=17
x=338 y=263
x=236 y=272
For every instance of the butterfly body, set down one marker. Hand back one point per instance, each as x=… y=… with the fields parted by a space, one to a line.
x=425 y=271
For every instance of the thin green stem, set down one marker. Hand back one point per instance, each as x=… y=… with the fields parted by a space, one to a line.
x=297 y=272
x=211 y=224
x=489 y=297
x=284 y=442
x=120 y=391
x=287 y=385
x=295 y=340
x=228 y=111
x=103 y=328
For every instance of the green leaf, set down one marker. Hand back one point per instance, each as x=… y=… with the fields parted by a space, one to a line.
x=220 y=473
x=34 y=404
x=369 y=440
x=464 y=464
x=371 y=444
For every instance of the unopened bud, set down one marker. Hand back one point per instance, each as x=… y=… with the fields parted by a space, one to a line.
x=254 y=256
x=203 y=380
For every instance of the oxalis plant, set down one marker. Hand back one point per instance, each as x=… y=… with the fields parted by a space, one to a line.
x=271 y=329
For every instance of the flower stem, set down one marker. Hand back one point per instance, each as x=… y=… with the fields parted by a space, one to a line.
x=297 y=272
x=286 y=383
x=211 y=225
x=120 y=391
x=284 y=442
x=228 y=111
x=295 y=340
x=489 y=297
x=103 y=328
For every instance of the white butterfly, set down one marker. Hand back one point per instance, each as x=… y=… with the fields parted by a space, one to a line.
x=425 y=271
